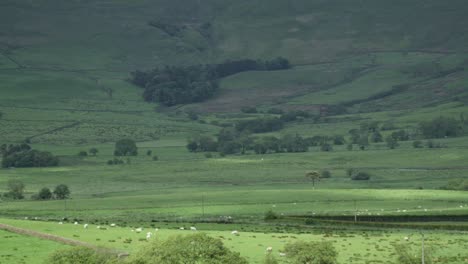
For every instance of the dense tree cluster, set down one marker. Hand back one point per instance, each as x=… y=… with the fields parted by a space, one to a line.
x=173 y=85
x=22 y=156
x=125 y=147
x=441 y=127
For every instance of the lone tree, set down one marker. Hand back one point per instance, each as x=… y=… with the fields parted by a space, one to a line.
x=44 y=194
x=93 y=151
x=125 y=147
x=313 y=176
x=15 y=189
x=61 y=192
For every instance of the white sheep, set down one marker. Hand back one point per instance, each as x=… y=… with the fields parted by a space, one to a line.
x=85 y=226
x=98 y=227
x=75 y=223
x=148 y=235
x=60 y=223
x=113 y=225
x=193 y=228
x=138 y=230
x=156 y=229
x=406 y=238
x=282 y=254
x=181 y=228
x=269 y=249
x=235 y=232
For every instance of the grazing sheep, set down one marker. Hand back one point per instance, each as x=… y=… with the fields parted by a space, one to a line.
x=181 y=228
x=282 y=254
x=98 y=227
x=26 y=218
x=75 y=223
x=113 y=225
x=60 y=223
x=138 y=230
x=269 y=249
x=193 y=228
x=156 y=229
x=235 y=232
x=148 y=235
x=406 y=238
x=425 y=210
x=85 y=226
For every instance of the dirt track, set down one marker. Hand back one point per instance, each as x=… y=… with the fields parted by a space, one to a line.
x=58 y=239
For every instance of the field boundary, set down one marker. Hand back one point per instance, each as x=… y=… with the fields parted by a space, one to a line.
x=59 y=239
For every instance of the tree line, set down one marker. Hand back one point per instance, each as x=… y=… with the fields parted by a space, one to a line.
x=23 y=156
x=171 y=85
x=16 y=192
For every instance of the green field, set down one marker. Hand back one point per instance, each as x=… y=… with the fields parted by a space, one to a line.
x=64 y=87
x=354 y=246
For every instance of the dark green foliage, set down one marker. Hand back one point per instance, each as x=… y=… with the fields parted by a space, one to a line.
x=400 y=135
x=417 y=144
x=125 y=147
x=190 y=249
x=260 y=125
x=80 y=255
x=355 y=135
x=361 y=176
x=326 y=147
x=349 y=147
x=391 y=142
x=61 y=192
x=44 y=194
x=155 y=158
x=296 y=143
x=267 y=144
x=270 y=215
x=325 y=174
x=275 y=111
x=93 y=151
x=23 y=156
x=339 y=140
x=249 y=109
x=203 y=144
x=83 y=154
x=173 y=85
x=376 y=137
x=15 y=190
x=192 y=115
x=294 y=115
x=350 y=172
x=115 y=161
x=149 y=152
x=301 y=252
x=441 y=127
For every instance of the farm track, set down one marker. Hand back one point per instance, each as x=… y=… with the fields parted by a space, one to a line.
x=62 y=240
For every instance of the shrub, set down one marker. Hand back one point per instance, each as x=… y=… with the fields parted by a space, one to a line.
x=198 y=248
x=149 y=153
x=125 y=147
x=155 y=158
x=93 y=151
x=44 y=194
x=208 y=155
x=61 y=192
x=270 y=215
x=79 y=255
x=361 y=176
x=417 y=144
x=270 y=259
x=326 y=147
x=311 y=252
x=325 y=174
x=15 y=190
x=83 y=154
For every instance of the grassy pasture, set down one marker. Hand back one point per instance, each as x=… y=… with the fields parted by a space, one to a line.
x=24 y=249
x=354 y=246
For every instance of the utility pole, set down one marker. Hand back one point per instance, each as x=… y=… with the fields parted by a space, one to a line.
x=355 y=212
x=422 y=249
x=203 y=205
